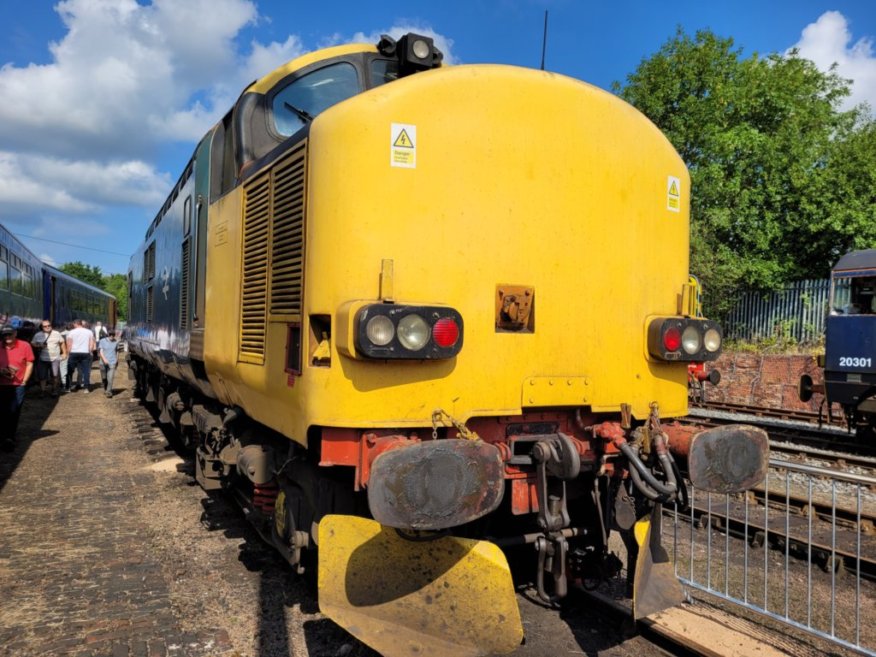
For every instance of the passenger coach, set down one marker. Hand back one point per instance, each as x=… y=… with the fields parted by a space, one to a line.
x=31 y=290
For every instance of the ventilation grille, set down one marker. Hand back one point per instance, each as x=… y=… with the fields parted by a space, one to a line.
x=149 y=263
x=256 y=228
x=287 y=248
x=149 y=305
x=185 y=276
x=273 y=252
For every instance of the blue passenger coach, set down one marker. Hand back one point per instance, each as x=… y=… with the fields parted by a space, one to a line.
x=31 y=290
x=21 y=296
x=67 y=298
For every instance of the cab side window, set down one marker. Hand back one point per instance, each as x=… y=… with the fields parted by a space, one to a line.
x=383 y=71
x=864 y=295
x=304 y=98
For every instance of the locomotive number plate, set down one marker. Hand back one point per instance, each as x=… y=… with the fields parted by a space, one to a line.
x=854 y=361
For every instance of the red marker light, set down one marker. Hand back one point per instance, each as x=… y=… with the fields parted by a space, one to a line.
x=672 y=339
x=446 y=332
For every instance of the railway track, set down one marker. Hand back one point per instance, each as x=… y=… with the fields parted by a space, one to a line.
x=795 y=518
x=784 y=428
x=810 y=417
x=835 y=461
x=830 y=550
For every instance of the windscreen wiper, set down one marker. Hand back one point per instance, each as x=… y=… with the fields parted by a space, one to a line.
x=304 y=115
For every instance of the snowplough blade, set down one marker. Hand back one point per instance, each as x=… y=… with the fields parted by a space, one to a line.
x=655 y=587
x=448 y=597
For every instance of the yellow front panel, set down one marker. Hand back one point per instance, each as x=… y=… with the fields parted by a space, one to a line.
x=513 y=177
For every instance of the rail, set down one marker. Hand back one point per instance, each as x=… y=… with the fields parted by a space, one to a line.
x=781 y=583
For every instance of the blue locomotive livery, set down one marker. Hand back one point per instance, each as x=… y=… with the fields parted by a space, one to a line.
x=849 y=359
x=31 y=290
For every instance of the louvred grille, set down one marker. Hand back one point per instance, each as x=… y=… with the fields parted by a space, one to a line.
x=273 y=252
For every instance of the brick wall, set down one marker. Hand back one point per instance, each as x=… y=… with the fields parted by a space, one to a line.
x=769 y=381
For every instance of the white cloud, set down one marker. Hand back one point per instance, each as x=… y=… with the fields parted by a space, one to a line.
x=264 y=59
x=30 y=184
x=443 y=43
x=20 y=193
x=48 y=259
x=124 y=75
x=127 y=78
x=829 y=40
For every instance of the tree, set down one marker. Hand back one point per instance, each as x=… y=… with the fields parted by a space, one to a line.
x=90 y=274
x=117 y=285
x=783 y=182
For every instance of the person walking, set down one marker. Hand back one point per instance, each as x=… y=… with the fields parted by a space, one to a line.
x=65 y=372
x=52 y=348
x=99 y=331
x=109 y=359
x=80 y=345
x=16 y=366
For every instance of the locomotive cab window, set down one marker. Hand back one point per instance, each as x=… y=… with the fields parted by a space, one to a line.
x=383 y=71
x=854 y=295
x=304 y=98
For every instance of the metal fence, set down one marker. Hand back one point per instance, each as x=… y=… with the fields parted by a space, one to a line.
x=795 y=312
x=804 y=559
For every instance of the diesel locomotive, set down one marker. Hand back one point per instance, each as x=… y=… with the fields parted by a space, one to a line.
x=415 y=317
x=849 y=359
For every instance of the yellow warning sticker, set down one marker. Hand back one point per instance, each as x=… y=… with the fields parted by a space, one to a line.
x=673 y=194
x=403 y=145
x=403 y=141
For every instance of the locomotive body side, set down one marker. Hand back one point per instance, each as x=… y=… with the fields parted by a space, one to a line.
x=166 y=279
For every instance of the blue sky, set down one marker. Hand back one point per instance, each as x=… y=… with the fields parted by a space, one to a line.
x=102 y=101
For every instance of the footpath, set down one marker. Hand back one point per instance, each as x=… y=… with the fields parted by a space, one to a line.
x=76 y=575
x=108 y=548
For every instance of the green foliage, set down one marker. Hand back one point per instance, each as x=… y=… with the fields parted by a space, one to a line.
x=115 y=284
x=783 y=182
x=90 y=274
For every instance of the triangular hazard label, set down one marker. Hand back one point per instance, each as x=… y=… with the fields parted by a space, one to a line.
x=403 y=141
x=673 y=189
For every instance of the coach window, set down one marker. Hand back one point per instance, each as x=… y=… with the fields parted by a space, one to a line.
x=26 y=289
x=4 y=275
x=303 y=99
x=14 y=280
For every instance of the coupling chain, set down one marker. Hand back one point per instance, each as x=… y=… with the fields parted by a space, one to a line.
x=440 y=417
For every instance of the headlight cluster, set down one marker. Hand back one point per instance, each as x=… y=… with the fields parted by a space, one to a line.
x=684 y=339
x=392 y=331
